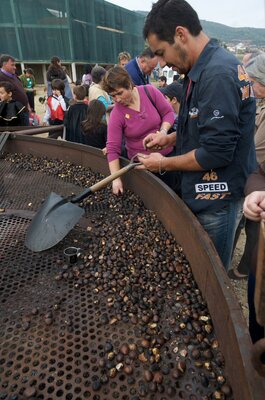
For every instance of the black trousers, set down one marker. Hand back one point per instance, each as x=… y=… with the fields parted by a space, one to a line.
x=30 y=96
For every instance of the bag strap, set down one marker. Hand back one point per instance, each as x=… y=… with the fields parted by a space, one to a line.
x=150 y=98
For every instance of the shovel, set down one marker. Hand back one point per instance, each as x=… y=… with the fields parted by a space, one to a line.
x=58 y=215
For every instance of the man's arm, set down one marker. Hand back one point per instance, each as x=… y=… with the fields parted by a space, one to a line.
x=155 y=162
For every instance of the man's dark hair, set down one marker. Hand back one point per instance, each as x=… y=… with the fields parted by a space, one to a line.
x=166 y=15
x=163 y=78
x=5 y=58
x=147 y=53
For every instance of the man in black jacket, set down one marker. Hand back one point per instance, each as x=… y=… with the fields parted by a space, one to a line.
x=214 y=148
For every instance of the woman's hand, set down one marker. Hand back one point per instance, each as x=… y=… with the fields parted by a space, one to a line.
x=117 y=186
x=254 y=206
x=156 y=141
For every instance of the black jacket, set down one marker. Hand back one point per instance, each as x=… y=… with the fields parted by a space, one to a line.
x=55 y=73
x=217 y=120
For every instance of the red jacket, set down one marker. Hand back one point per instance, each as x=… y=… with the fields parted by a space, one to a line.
x=55 y=109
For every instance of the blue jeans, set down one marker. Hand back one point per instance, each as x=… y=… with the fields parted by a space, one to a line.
x=221 y=226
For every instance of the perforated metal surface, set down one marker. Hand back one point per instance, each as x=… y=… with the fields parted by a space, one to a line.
x=57 y=321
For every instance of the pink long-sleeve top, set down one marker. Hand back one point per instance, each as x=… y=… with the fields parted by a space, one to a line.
x=136 y=125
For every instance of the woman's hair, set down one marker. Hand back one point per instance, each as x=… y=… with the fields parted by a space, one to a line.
x=55 y=60
x=124 y=55
x=29 y=71
x=55 y=63
x=79 y=92
x=97 y=73
x=7 y=86
x=58 y=84
x=116 y=78
x=87 y=69
x=95 y=112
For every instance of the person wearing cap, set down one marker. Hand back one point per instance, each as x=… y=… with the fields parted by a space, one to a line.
x=173 y=94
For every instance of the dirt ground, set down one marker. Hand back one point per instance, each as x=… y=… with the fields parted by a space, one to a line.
x=39 y=108
x=240 y=286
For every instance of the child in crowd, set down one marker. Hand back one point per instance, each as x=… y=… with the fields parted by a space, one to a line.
x=34 y=118
x=10 y=110
x=94 y=127
x=173 y=94
x=162 y=81
x=75 y=115
x=87 y=78
x=56 y=106
x=28 y=82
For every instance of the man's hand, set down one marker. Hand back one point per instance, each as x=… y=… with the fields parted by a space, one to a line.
x=156 y=141
x=254 y=206
x=152 y=162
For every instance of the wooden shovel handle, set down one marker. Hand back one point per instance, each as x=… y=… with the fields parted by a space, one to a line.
x=104 y=182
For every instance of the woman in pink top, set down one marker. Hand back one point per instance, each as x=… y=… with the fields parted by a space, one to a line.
x=134 y=116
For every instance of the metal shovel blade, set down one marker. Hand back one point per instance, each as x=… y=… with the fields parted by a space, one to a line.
x=56 y=217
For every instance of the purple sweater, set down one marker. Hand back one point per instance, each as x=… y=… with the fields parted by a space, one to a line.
x=135 y=126
x=18 y=92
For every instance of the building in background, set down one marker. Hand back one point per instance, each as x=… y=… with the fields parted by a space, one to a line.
x=77 y=31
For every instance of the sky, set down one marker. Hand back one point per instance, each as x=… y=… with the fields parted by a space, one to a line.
x=235 y=13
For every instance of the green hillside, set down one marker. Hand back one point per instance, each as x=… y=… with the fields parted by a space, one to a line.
x=228 y=34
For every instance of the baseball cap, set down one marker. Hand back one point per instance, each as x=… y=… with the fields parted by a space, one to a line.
x=173 y=90
x=256 y=68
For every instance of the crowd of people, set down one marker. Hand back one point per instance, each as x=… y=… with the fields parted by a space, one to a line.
x=203 y=136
